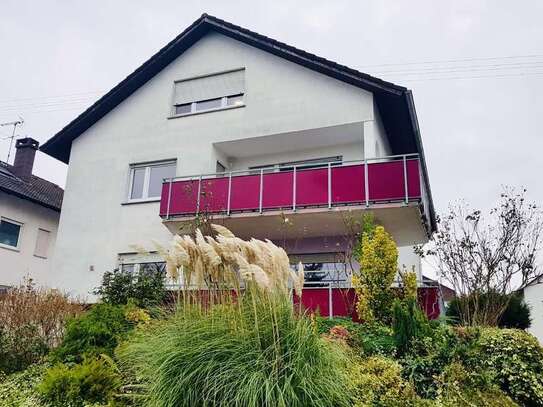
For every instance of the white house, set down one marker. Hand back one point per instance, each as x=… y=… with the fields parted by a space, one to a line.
x=29 y=216
x=270 y=140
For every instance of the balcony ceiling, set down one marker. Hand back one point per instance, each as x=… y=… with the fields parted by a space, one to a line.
x=318 y=222
x=291 y=141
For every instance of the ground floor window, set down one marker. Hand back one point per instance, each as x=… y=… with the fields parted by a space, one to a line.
x=10 y=231
x=322 y=269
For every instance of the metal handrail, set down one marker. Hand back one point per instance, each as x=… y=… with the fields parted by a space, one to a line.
x=300 y=167
x=294 y=169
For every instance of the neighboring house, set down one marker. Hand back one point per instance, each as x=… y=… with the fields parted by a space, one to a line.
x=29 y=216
x=272 y=141
x=437 y=293
x=533 y=295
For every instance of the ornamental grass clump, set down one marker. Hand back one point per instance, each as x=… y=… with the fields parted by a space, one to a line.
x=235 y=339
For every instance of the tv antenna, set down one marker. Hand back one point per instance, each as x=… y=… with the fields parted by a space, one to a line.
x=12 y=137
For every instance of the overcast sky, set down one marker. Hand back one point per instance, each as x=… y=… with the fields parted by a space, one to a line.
x=475 y=68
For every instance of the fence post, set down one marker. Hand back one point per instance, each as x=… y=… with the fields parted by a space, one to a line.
x=229 y=193
x=169 y=199
x=329 y=185
x=405 y=179
x=199 y=193
x=366 y=182
x=294 y=189
x=330 y=302
x=261 y=190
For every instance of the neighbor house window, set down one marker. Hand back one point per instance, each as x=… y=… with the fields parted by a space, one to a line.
x=209 y=92
x=10 y=232
x=146 y=179
x=42 y=243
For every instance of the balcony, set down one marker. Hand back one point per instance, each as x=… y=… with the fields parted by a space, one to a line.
x=377 y=183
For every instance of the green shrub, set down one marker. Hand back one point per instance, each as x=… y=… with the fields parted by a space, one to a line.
x=20 y=347
x=93 y=380
x=459 y=386
x=95 y=332
x=244 y=354
x=369 y=339
x=377 y=381
x=516 y=314
x=19 y=389
x=146 y=288
x=409 y=323
x=517 y=360
x=429 y=356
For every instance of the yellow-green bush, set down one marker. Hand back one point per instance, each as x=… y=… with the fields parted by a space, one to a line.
x=92 y=381
x=459 y=386
x=378 y=257
x=377 y=381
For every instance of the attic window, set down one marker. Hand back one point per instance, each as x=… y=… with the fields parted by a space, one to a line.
x=209 y=93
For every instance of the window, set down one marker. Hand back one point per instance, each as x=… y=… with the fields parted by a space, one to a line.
x=42 y=243
x=146 y=180
x=10 y=232
x=303 y=164
x=312 y=163
x=209 y=92
x=321 y=268
x=219 y=168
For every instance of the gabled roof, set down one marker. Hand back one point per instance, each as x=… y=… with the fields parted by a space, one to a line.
x=36 y=189
x=395 y=102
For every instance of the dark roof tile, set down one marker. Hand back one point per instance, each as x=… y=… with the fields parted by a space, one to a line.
x=37 y=190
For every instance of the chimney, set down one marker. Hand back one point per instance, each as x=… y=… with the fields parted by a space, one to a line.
x=24 y=157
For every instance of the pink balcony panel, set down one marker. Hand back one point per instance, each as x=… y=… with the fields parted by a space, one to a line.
x=245 y=193
x=386 y=183
x=277 y=190
x=214 y=195
x=413 y=179
x=312 y=187
x=183 y=199
x=348 y=184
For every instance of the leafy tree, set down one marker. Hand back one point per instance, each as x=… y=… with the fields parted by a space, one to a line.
x=479 y=257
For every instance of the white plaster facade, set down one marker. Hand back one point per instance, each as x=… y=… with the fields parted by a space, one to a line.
x=17 y=264
x=289 y=113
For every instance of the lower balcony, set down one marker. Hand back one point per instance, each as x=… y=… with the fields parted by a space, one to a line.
x=317 y=195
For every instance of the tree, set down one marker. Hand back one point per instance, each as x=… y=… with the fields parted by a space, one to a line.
x=377 y=255
x=479 y=256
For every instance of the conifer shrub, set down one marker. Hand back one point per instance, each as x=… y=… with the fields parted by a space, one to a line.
x=97 y=331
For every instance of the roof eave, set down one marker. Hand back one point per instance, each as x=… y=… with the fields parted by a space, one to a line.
x=418 y=140
x=27 y=198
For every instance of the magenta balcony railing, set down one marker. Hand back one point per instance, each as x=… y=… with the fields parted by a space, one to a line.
x=390 y=179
